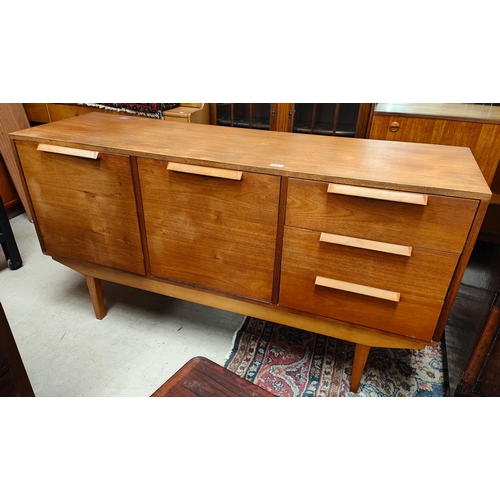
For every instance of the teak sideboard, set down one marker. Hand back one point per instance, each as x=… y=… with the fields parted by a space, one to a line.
x=358 y=239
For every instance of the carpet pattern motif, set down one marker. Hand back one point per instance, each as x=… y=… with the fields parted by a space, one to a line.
x=291 y=362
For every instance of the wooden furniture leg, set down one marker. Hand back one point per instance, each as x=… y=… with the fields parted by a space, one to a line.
x=360 y=356
x=95 y=290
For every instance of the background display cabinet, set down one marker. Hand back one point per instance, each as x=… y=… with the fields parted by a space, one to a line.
x=335 y=119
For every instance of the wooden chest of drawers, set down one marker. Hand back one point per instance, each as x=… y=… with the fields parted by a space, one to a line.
x=357 y=239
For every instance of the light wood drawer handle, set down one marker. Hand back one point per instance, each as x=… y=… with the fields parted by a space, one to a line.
x=81 y=153
x=360 y=289
x=378 y=246
x=379 y=194
x=234 y=175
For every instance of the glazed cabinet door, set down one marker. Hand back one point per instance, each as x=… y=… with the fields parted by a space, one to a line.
x=84 y=204
x=209 y=227
x=334 y=119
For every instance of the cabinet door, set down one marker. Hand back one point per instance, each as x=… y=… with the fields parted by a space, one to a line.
x=339 y=119
x=244 y=115
x=85 y=208
x=209 y=231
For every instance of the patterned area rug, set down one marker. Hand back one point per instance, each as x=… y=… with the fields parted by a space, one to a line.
x=291 y=362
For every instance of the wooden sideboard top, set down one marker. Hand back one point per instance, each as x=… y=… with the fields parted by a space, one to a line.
x=437 y=169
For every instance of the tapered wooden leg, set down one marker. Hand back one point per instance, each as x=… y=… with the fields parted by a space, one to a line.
x=360 y=356
x=95 y=290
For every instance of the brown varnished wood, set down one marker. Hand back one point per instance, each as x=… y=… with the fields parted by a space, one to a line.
x=201 y=377
x=482 y=349
x=443 y=224
x=214 y=233
x=218 y=241
x=426 y=272
x=482 y=138
x=12 y=118
x=413 y=315
x=411 y=167
x=85 y=208
x=8 y=191
x=284 y=117
x=358 y=365
x=95 y=291
x=306 y=321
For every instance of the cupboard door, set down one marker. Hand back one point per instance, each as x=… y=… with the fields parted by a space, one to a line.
x=211 y=228
x=85 y=207
x=244 y=115
x=339 y=119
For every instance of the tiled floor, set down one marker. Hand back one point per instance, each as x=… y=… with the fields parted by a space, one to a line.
x=141 y=342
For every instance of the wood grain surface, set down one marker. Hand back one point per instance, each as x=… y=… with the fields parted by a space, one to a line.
x=211 y=232
x=406 y=167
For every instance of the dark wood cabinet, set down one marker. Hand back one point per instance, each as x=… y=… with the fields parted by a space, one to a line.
x=335 y=119
x=14 y=380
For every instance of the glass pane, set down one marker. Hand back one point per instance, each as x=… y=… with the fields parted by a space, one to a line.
x=241 y=115
x=224 y=114
x=324 y=119
x=347 y=120
x=244 y=115
x=261 y=116
x=302 y=120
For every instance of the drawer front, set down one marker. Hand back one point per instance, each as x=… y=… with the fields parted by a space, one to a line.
x=424 y=272
x=441 y=224
x=85 y=207
x=212 y=228
x=412 y=316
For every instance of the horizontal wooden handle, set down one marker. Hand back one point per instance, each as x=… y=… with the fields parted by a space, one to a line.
x=378 y=246
x=360 y=289
x=222 y=173
x=379 y=194
x=62 y=150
